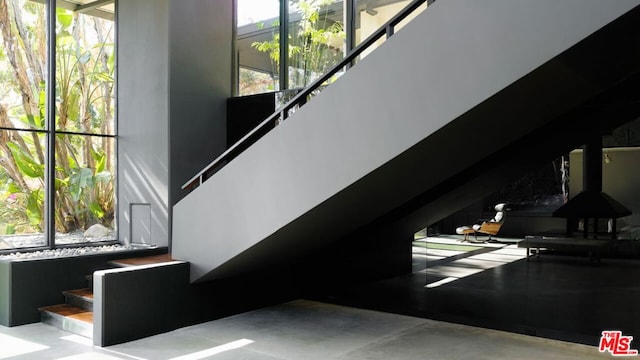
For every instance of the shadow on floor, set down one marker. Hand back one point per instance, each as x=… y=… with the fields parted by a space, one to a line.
x=492 y=285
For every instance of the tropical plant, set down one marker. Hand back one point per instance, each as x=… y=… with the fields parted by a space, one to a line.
x=84 y=176
x=314 y=44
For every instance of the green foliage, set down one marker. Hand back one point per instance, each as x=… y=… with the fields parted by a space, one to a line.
x=314 y=44
x=79 y=180
x=27 y=165
x=84 y=181
x=10 y=229
x=96 y=210
x=35 y=199
x=64 y=18
x=13 y=189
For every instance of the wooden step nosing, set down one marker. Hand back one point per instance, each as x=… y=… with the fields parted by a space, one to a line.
x=71 y=317
x=66 y=323
x=70 y=293
x=143 y=260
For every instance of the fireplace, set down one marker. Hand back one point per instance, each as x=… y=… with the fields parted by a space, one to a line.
x=592 y=203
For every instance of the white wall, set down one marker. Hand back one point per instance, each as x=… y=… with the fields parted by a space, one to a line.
x=394 y=104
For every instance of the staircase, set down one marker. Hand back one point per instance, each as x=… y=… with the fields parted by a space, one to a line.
x=463 y=99
x=76 y=314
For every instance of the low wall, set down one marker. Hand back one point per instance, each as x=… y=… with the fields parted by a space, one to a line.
x=26 y=285
x=139 y=301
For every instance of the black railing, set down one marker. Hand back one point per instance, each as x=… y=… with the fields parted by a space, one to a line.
x=388 y=29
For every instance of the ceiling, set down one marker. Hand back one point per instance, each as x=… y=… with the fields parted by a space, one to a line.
x=100 y=8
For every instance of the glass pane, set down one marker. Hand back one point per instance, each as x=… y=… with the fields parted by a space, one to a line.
x=371 y=15
x=22 y=64
x=85 y=189
x=411 y=16
x=258 y=46
x=84 y=73
x=256 y=82
x=542 y=190
x=316 y=39
x=21 y=188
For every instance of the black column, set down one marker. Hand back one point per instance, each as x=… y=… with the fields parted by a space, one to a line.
x=592 y=163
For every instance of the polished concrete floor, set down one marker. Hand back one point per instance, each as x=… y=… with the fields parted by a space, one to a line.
x=556 y=296
x=457 y=303
x=300 y=329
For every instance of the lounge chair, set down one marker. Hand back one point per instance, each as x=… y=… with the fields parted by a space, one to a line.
x=489 y=227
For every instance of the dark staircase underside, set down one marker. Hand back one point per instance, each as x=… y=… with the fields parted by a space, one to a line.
x=587 y=90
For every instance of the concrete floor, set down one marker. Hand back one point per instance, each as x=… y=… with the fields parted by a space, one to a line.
x=556 y=296
x=489 y=286
x=299 y=330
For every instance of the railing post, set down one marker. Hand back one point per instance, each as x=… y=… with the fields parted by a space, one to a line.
x=389 y=31
x=349 y=18
x=301 y=98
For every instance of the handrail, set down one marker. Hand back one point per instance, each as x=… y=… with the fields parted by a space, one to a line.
x=298 y=100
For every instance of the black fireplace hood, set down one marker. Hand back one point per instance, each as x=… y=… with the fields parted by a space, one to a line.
x=592 y=204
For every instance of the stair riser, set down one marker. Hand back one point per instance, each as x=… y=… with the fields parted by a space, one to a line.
x=71 y=325
x=89 y=281
x=76 y=315
x=79 y=301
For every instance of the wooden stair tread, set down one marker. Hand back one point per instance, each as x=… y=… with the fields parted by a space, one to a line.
x=85 y=293
x=145 y=260
x=70 y=311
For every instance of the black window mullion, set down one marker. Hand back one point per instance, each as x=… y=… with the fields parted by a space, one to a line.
x=50 y=196
x=284 y=44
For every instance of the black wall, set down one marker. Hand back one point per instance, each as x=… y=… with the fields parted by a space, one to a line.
x=28 y=285
x=246 y=112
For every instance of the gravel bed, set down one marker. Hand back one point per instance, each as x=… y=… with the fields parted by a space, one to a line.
x=19 y=246
x=63 y=252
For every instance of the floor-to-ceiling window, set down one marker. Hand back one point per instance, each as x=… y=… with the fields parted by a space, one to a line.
x=314 y=42
x=370 y=15
x=84 y=127
x=257 y=43
x=316 y=35
x=57 y=125
x=22 y=137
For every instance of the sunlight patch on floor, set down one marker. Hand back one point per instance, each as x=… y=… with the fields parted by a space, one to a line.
x=441 y=282
x=215 y=350
x=472 y=265
x=11 y=346
x=90 y=356
x=78 y=340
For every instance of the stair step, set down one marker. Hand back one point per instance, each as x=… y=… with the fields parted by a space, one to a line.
x=89 y=279
x=69 y=318
x=82 y=298
x=145 y=260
